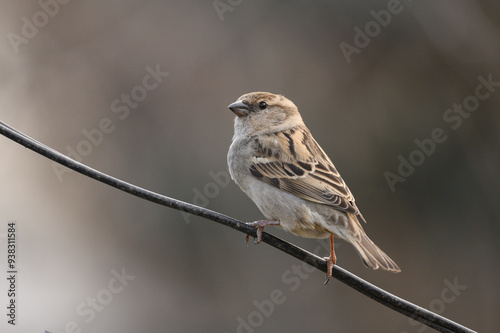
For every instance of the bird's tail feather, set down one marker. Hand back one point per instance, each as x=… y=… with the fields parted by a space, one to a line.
x=373 y=256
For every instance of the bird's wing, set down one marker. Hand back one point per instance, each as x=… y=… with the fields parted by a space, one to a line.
x=294 y=162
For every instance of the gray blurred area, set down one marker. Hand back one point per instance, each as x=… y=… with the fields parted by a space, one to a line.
x=419 y=66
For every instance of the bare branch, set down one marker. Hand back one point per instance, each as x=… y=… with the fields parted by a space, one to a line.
x=392 y=301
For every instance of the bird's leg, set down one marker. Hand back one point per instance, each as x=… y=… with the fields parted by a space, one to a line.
x=260 y=227
x=330 y=261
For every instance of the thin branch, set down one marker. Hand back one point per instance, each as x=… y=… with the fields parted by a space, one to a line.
x=392 y=301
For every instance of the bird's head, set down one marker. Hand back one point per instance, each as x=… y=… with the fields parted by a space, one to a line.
x=263 y=112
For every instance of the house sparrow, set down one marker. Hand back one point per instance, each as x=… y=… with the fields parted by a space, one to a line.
x=275 y=160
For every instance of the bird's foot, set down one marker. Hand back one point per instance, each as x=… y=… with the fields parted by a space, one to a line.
x=330 y=261
x=260 y=227
x=329 y=266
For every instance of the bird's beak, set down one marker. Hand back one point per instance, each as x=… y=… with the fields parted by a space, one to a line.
x=239 y=108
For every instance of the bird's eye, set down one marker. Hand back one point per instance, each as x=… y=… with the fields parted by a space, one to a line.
x=262 y=105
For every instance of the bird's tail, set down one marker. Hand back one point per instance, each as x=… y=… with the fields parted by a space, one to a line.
x=373 y=256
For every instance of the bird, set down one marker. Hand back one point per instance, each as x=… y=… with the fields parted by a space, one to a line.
x=275 y=161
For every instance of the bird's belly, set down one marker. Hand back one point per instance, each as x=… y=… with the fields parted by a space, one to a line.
x=305 y=219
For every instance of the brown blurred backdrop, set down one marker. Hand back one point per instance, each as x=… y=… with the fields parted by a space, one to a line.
x=66 y=73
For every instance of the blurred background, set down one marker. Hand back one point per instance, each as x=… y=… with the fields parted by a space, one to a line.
x=139 y=90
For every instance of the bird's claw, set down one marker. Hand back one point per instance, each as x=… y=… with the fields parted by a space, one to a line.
x=330 y=261
x=260 y=228
x=329 y=267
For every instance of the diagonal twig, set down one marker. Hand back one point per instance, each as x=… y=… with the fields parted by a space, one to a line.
x=394 y=302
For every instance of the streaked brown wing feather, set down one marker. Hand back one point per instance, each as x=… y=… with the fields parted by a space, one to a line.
x=302 y=169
